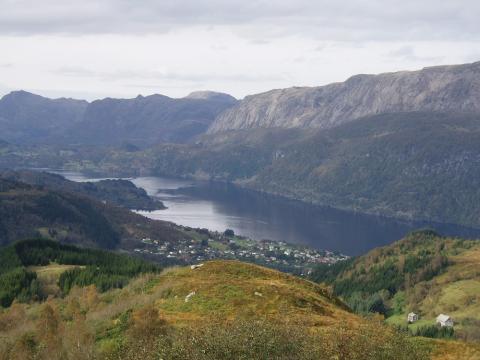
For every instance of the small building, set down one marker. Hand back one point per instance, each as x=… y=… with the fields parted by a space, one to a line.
x=412 y=317
x=444 y=320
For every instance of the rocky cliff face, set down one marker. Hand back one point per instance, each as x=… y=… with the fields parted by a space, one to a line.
x=441 y=88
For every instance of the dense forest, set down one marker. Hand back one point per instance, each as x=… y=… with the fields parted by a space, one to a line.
x=103 y=269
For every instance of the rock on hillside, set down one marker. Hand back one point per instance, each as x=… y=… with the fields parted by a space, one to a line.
x=442 y=88
x=228 y=289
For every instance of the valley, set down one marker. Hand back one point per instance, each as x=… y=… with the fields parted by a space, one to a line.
x=330 y=222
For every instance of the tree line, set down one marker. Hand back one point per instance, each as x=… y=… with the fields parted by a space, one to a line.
x=101 y=268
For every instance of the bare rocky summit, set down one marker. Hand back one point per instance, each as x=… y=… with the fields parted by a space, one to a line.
x=453 y=88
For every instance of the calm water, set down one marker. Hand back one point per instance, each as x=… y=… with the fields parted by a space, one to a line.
x=219 y=206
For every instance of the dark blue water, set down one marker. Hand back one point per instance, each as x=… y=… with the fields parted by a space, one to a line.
x=219 y=206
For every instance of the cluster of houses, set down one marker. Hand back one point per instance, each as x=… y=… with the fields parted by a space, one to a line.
x=216 y=245
x=442 y=319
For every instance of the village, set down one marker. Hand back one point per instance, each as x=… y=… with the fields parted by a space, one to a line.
x=209 y=245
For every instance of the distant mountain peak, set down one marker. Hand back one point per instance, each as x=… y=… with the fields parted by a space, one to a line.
x=17 y=94
x=210 y=95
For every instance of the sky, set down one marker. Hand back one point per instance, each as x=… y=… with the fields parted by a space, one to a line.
x=93 y=49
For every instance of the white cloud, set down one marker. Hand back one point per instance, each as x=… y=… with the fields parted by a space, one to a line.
x=339 y=20
x=121 y=47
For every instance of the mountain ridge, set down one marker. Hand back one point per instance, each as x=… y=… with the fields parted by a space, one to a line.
x=27 y=118
x=436 y=88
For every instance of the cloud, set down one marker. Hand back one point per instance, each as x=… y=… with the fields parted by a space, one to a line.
x=259 y=20
x=408 y=53
x=155 y=75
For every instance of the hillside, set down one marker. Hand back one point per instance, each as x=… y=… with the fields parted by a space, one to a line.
x=30 y=211
x=434 y=89
x=221 y=310
x=26 y=268
x=420 y=166
x=424 y=273
x=119 y=192
x=237 y=311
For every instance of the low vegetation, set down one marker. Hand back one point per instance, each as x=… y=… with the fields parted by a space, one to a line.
x=238 y=311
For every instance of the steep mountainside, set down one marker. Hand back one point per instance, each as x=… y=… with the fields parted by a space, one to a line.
x=411 y=165
x=424 y=273
x=441 y=88
x=26 y=118
x=420 y=166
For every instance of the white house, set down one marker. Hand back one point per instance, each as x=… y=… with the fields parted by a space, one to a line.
x=444 y=320
x=412 y=317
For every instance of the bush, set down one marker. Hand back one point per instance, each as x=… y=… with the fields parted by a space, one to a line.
x=433 y=331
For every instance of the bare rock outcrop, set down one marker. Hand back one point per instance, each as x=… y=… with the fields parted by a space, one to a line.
x=453 y=88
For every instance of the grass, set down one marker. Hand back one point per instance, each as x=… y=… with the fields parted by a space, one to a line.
x=453 y=350
x=48 y=276
x=228 y=288
x=224 y=291
x=401 y=320
x=456 y=292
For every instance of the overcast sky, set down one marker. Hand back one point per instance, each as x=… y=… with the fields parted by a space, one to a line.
x=97 y=48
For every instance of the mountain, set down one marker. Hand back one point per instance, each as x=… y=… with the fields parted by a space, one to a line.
x=417 y=165
x=425 y=273
x=28 y=118
x=145 y=121
x=437 y=89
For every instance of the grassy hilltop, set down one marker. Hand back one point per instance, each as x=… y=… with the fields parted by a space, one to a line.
x=221 y=310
